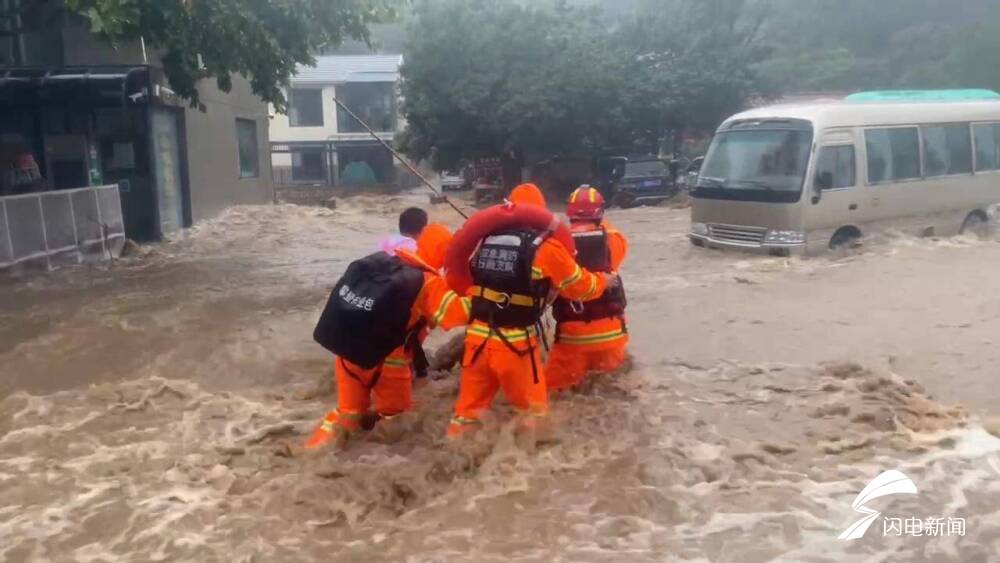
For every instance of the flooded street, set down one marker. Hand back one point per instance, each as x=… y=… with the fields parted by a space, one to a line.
x=147 y=408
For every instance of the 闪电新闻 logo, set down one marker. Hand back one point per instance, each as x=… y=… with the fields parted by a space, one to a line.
x=890 y=482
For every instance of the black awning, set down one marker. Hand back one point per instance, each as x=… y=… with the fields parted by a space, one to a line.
x=111 y=86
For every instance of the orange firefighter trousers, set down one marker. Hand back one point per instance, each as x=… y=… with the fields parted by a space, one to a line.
x=570 y=363
x=393 y=393
x=496 y=368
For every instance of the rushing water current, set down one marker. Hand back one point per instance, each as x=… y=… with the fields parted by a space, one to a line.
x=152 y=410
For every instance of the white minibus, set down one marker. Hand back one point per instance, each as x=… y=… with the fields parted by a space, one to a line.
x=803 y=178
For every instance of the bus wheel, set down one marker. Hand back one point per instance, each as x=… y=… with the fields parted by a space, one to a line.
x=845 y=237
x=977 y=223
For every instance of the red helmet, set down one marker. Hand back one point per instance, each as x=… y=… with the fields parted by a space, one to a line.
x=585 y=204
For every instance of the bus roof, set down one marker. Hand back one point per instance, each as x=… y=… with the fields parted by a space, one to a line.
x=862 y=113
x=923 y=95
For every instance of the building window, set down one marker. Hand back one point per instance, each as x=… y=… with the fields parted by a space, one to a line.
x=947 y=150
x=987 y=146
x=309 y=165
x=305 y=108
x=246 y=138
x=373 y=102
x=835 y=168
x=364 y=164
x=893 y=154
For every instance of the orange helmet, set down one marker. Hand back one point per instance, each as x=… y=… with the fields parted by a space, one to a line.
x=527 y=194
x=585 y=204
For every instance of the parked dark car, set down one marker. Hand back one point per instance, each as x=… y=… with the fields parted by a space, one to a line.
x=644 y=180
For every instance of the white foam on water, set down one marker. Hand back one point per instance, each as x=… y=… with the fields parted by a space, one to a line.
x=203 y=371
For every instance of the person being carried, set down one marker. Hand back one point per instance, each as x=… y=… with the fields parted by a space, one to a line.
x=514 y=272
x=374 y=322
x=590 y=336
x=412 y=222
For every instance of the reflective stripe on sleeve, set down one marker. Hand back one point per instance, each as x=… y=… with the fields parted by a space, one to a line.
x=443 y=308
x=577 y=274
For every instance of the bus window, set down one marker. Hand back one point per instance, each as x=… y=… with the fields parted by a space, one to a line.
x=835 y=167
x=947 y=150
x=893 y=154
x=987 y=146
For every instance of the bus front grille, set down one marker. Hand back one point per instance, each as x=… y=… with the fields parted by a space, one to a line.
x=737 y=234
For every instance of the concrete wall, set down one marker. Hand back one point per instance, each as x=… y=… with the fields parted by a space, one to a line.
x=83 y=48
x=213 y=156
x=212 y=153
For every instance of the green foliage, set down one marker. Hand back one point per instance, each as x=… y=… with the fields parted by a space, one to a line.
x=262 y=40
x=487 y=77
x=690 y=64
x=848 y=45
x=531 y=80
x=974 y=62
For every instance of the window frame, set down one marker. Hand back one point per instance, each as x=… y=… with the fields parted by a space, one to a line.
x=301 y=151
x=975 y=145
x=923 y=150
x=256 y=145
x=854 y=152
x=291 y=102
x=346 y=125
x=920 y=155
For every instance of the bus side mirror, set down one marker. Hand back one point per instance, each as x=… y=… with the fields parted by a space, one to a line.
x=824 y=181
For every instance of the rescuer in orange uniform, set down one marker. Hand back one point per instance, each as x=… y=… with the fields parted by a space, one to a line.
x=391 y=382
x=502 y=348
x=590 y=336
x=432 y=245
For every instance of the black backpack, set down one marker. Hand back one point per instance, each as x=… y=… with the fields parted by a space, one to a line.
x=502 y=263
x=592 y=253
x=367 y=314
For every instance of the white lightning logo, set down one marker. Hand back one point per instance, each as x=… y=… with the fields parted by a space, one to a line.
x=891 y=482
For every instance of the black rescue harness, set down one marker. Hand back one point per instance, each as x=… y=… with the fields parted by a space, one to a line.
x=592 y=253
x=505 y=294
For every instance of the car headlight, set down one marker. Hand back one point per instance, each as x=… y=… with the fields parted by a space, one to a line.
x=785 y=237
x=700 y=229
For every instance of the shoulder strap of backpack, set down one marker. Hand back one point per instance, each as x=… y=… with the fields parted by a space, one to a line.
x=413 y=344
x=547 y=233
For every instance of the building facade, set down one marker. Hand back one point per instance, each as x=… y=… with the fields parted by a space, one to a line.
x=76 y=113
x=317 y=143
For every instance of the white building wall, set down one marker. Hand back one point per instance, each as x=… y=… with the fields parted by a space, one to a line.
x=282 y=131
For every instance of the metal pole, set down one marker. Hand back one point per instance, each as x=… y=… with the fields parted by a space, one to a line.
x=400 y=158
x=10 y=237
x=45 y=235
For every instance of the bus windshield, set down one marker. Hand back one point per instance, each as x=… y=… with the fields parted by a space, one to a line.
x=756 y=165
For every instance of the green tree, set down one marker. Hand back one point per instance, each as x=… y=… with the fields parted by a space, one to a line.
x=531 y=80
x=262 y=40
x=690 y=64
x=974 y=62
x=860 y=44
x=499 y=77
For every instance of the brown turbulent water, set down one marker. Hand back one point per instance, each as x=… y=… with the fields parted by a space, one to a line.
x=152 y=410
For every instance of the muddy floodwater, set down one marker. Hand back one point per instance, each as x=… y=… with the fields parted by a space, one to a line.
x=151 y=410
